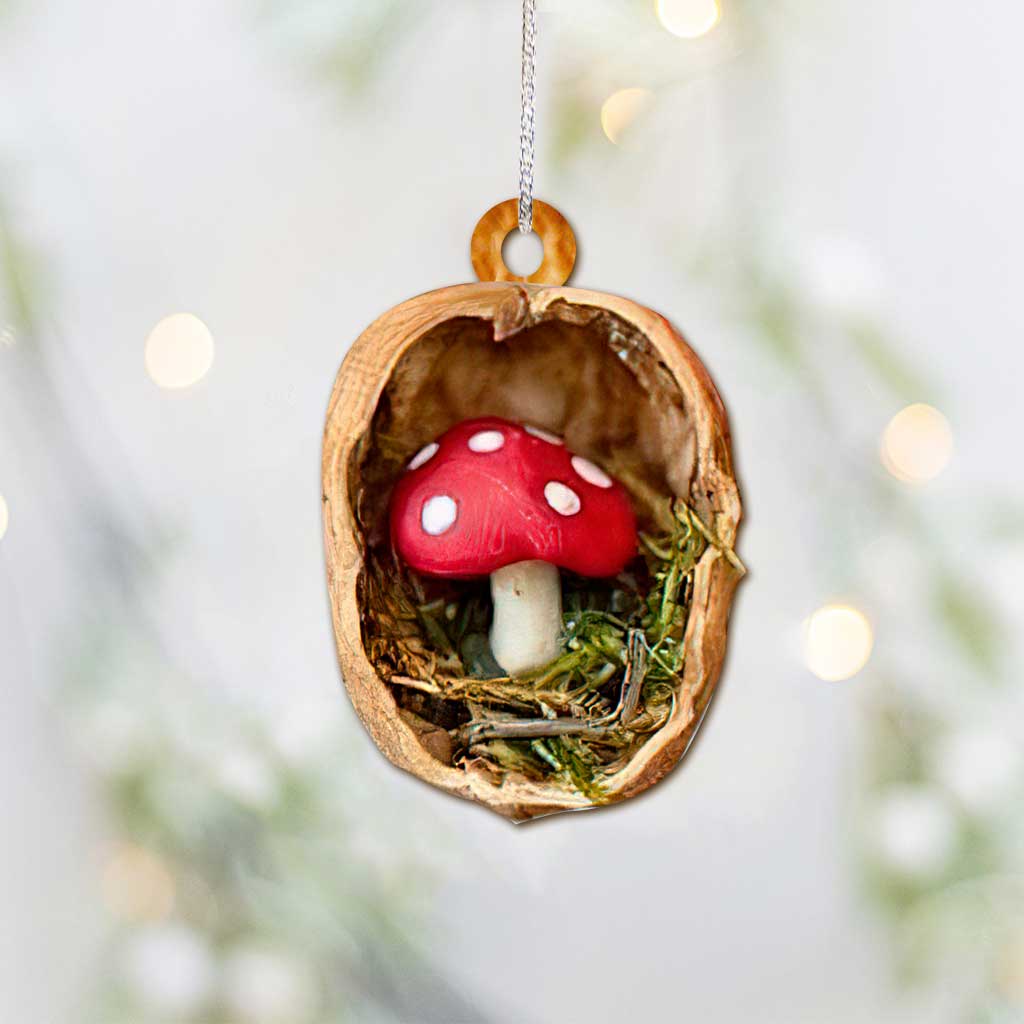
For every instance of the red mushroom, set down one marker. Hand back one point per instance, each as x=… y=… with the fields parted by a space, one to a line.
x=491 y=497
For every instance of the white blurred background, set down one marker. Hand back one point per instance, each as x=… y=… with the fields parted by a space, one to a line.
x=823 y=196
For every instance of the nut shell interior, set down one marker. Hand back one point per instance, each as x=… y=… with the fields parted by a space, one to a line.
x=621 y=386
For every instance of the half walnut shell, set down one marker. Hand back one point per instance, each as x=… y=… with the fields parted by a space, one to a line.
x=623 y=388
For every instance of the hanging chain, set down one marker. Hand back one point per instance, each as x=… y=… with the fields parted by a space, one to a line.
x=528 y=117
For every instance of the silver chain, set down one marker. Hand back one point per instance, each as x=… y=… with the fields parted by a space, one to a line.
x=528 y=117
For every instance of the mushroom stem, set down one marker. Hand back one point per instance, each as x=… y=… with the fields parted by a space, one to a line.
x=527 y=615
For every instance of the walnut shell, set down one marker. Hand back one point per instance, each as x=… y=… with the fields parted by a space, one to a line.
x=622 y=387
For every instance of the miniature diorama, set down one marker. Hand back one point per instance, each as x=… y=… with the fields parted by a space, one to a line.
x=530 y=512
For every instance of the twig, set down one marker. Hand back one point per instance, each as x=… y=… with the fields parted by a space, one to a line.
x=500 y=691
x=535 y=728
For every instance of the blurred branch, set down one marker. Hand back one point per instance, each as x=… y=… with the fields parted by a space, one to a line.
x=344 y=41
x=223 y=844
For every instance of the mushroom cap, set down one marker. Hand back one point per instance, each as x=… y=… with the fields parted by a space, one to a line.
x=489 y=493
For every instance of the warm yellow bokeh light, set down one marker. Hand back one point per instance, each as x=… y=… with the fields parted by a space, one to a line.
x=5 y=516
x=621 y=109
x=137 y=885
x=917 y=444
x=179 y=351
x=837 y=642
x=689 y=18
x=1010 y=971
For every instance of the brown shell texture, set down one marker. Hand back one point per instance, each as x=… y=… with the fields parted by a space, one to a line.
x=621 y=385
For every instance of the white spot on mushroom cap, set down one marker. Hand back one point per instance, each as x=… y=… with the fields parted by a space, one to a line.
x=592 y=474
x=544 y=435
x=486 y=441
x=425 y=454
x=439 y=514
x=564 y=500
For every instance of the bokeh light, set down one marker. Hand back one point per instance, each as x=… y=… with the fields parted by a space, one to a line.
x=5 y=516
x=839 y=275
x=137 y=885
x=621 y=109
x=837 y=642
x=179 y=351
x=915 y=831
x=688 y=18
x=170 y=969
x=267 y=986
x=917 y=444
x=248 y=778
x=982 y=768
x=1009 y=975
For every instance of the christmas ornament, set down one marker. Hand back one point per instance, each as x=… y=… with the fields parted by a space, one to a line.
x=529 y=514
